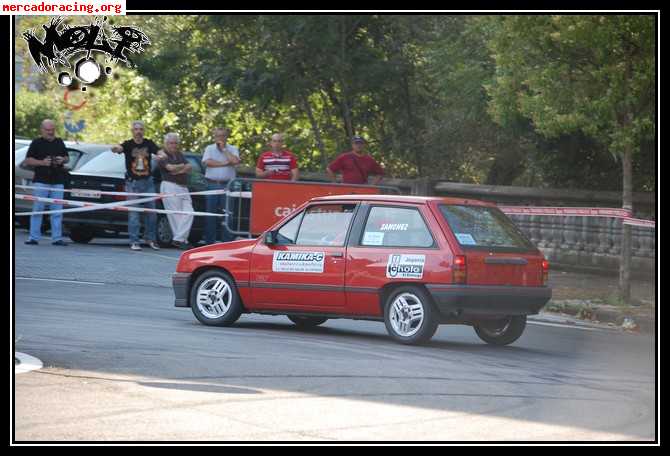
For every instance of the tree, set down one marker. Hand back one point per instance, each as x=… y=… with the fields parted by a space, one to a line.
x=31 y=109
x=590 y=74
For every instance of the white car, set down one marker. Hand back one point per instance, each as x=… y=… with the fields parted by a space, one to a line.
x=79 y=153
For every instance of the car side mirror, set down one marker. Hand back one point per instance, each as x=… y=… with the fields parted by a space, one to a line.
x=271 y=237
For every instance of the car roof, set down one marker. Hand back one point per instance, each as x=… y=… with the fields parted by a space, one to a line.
x=84 y=147
x=403 y=199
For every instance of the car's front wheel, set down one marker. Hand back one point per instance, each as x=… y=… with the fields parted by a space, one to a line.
x=215 y=300
x=409 y=315
x=81 y=235
x=503 y=331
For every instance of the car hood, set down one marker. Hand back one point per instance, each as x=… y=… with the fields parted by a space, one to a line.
x=223 y=246
x=223 y=254
x=111 y=175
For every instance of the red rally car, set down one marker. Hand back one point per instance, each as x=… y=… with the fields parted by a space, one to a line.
x=412 y=262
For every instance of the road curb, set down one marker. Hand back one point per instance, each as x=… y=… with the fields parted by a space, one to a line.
x=606 y=320
x=26 y=363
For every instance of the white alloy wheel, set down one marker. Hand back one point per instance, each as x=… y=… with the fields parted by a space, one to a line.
x=406 y=314
x=214 y=298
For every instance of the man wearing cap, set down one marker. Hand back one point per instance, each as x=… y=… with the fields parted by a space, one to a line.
x=356 y=165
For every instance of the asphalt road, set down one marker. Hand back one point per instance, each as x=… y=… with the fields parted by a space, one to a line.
x=122 y=364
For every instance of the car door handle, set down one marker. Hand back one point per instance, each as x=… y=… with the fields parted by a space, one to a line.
x=337 y=255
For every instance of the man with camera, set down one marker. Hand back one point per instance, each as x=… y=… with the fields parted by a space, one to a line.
x=47 y=155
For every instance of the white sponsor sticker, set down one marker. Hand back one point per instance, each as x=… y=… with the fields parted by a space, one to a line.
x=311 y=262
x=465 y=239
x=373 y=238
x=394 y=227
x=401 y=266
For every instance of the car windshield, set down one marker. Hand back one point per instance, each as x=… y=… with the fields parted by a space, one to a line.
x=20 y=155
x=481 y=226
x=105 y=163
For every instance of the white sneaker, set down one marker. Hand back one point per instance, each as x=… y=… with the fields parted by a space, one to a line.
x=153 y=245
x=135 y=247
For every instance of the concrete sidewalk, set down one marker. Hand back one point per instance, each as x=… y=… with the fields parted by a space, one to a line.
x=587 y=299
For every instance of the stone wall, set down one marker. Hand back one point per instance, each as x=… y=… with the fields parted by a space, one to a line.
x=591 y=244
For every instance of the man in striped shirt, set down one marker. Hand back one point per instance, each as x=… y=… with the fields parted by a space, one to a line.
x=277 y=163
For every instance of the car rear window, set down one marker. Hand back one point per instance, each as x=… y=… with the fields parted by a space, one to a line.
x=484 y=227
x=195 y=163
x=105 y=163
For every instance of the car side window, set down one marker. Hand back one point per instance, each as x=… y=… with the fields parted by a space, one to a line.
x=396 y=227
x=196 y=165
x=325 y=225
x=75 y=155
x=288 y=233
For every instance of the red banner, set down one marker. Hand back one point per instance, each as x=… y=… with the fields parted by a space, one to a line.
x=273 y=200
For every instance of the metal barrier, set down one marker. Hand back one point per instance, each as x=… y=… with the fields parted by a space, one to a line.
x=239 y=201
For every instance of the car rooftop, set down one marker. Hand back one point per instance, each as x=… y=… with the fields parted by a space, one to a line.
x=403 y=199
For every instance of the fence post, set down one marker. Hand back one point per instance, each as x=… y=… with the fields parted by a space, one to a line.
x=422 y=187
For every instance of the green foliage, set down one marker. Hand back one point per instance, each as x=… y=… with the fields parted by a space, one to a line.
x=31 y=108
x=568 y=74
x=508 y=100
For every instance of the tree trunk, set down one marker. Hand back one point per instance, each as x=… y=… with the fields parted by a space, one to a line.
x=626 y=247
x=344 y=72
x=345 y=112
x=317 y=132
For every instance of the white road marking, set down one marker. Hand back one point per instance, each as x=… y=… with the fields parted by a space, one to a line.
x=27 y=363
x=159 y=255
x=558 y=325
x=60 y=280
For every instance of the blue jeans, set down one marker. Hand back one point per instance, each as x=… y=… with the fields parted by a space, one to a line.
x=215 y=204
x=150 y=218
x=47 y=191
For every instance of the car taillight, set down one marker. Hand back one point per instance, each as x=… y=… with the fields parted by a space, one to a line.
x=545 y=272
x=460 y=269
x=119 y=188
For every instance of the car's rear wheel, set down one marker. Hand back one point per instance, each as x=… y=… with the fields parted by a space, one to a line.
x=23 y=221
x=503 y=331
x=215 y=300
x=163 y=231
x=194 y=237
x=81 y=235
x=409 y=315
x=307 y=322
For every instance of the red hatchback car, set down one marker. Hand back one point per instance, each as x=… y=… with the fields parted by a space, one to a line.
x=412 y=262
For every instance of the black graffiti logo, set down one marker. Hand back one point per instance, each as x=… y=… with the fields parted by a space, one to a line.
x=61 y=42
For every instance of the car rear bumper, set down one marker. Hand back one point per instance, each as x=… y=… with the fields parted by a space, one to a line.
x=180 y=285
x=470 y=300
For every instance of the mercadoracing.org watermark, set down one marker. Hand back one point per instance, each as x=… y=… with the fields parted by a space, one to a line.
x=63 y=7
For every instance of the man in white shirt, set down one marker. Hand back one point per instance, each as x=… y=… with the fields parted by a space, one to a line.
x=220 y=160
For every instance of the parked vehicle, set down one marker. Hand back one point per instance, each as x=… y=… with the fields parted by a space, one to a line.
x=411 y=262
x=106 y=172
x=80 y=153
x=21 y=142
